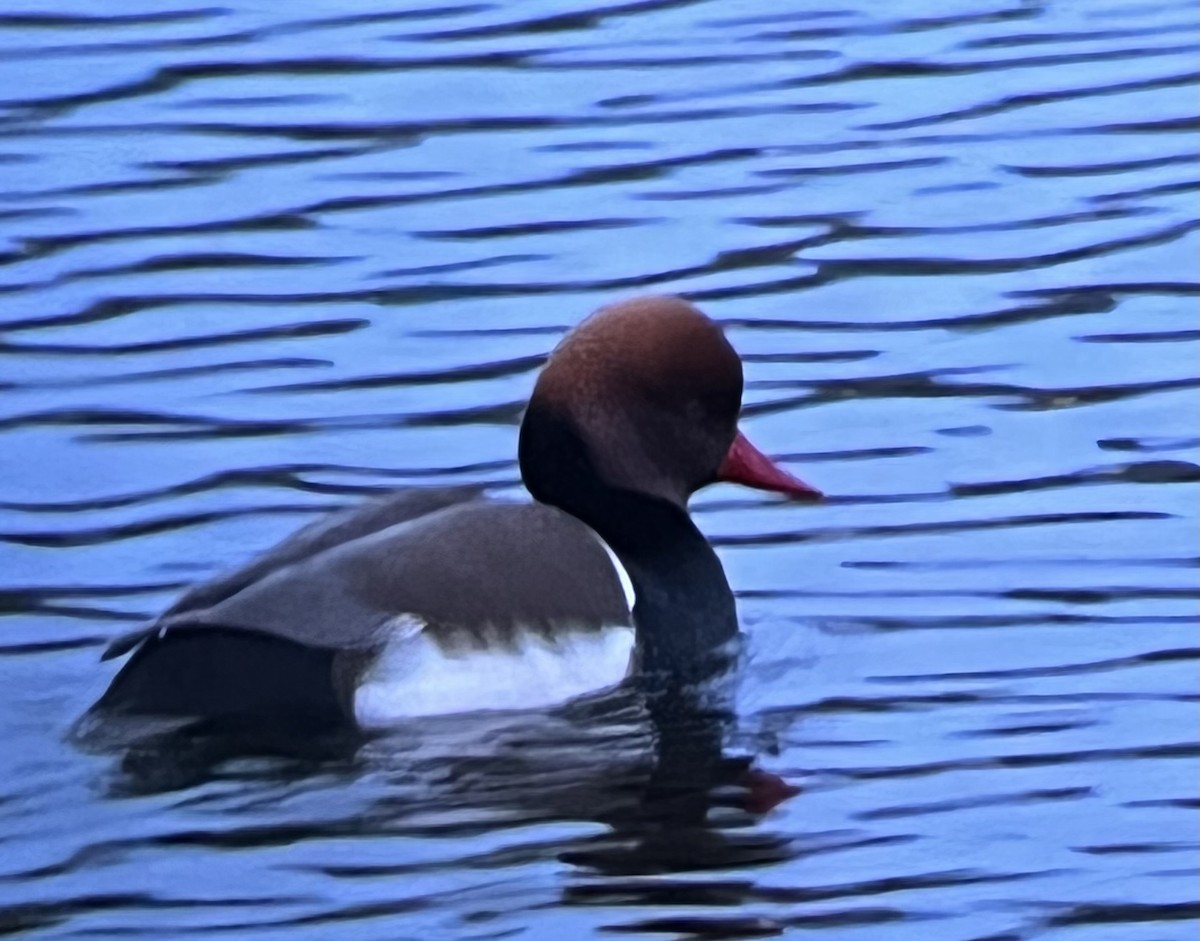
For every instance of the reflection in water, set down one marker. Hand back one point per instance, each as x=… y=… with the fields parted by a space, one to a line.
x=647 y=764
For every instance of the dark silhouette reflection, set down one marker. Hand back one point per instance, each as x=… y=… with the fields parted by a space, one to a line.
x=167 y=753
x=646 y=760
x=693 y=808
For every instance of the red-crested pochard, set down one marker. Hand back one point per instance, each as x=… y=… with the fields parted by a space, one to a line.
x=442 y=600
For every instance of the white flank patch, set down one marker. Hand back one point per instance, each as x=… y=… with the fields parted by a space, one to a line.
x=414 y=677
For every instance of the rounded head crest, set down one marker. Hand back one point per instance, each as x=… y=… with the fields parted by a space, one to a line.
x=650 y=388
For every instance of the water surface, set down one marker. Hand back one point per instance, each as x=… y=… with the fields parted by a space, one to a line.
x=260 y=260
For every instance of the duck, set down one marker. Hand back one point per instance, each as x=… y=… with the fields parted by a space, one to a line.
x=444 y=600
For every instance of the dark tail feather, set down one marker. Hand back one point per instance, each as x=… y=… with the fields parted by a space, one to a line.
x=214 y=672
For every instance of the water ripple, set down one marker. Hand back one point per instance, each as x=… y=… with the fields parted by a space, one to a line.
x=258 y=262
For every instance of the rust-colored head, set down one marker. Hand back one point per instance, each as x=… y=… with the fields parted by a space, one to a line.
x=652 y=389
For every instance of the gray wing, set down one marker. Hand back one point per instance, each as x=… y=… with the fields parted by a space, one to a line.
x=329 y=531
x=474 y=572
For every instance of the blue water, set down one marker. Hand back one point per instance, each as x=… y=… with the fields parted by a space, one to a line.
x=260 y=260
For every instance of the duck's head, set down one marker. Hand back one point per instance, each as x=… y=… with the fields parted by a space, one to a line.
x=643 y=396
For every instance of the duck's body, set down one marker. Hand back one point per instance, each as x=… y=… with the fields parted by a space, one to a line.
x=399 y=605
x=441 y=600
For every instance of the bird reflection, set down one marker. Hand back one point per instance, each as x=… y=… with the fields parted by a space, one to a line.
x=647 y=760
x=696 y=806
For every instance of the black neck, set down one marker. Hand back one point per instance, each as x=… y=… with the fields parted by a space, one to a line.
x=684 y=610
